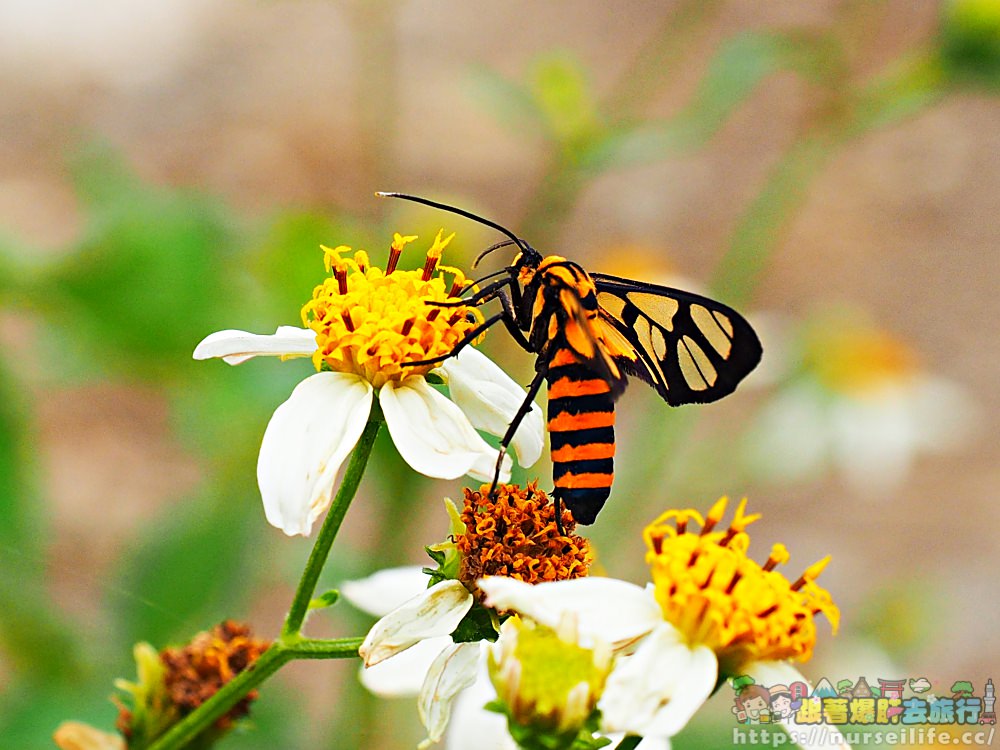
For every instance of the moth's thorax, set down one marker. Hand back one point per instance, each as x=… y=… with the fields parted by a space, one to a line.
x=555 y=270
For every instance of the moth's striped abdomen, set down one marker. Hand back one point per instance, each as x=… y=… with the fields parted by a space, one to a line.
x=582 y=434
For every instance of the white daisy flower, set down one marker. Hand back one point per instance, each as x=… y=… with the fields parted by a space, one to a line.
x=856 y=401
x=709 y=611
x=362 y=326
x=410 y=650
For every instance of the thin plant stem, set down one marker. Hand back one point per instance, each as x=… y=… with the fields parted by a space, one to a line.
x=186 y=730
x=317 y=558
x=277 y=655
x=565 y=178
x=290 y=644
x=629 y=742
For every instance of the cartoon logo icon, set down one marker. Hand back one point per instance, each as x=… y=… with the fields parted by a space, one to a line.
x=752 y=701
x=782 y=706
x=861 y=702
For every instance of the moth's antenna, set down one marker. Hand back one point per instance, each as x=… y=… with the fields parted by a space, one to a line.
x=490 y=249
x=525 y=248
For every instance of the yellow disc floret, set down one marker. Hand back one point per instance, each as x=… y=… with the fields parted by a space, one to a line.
x=716 y=596
x=545 y=681
x=372 y=322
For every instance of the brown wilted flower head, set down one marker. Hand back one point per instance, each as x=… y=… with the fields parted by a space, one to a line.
x=187 y=676
x=514 y=534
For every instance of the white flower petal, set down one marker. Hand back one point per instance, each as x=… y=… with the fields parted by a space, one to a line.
x=768 y=673
x=485 y=467
x=430 y=432
x=382 y=592
x=490 y=398
x=404 y=673
x=472 y=727
x=657 y=690
x=305 y=443
x=454 y=670
x=606 y=609
x=236 y=347
x=790 y=438
x=434 y=612
x=873 y=440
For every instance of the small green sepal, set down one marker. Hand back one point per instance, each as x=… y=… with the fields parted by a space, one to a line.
x=324 y=600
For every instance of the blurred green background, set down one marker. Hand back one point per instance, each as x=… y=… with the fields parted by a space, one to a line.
x=168 y=169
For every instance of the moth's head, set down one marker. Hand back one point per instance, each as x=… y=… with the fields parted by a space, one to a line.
x=526 y=263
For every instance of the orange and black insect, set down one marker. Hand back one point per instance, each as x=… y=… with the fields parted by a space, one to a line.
x=589 y=333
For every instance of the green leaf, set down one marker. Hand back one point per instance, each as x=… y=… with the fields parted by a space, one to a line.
x=191 y=568
x=735 y=71
x=477 y=625
x=150 y=276
x=511 y=102
x=31 y=712
x=37 y=642
x=19 y=503
x=970 y=41
x=288 y=261
x=563 y=95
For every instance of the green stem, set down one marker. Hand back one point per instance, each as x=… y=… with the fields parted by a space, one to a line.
x=629 y=742
x=277 y=655
x=880 y=101
x=290 y=644
x=565 y=179
x=186 y=730
x=317 y=558
x=325 y=648
x=761 y=227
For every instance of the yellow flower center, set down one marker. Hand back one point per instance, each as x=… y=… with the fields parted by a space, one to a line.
x=514 y=534
x=372 y=322
x=712 y=592
x=544 y=678
x=855 y=359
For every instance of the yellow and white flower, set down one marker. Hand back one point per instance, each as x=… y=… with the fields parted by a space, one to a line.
x=709 y=611
x=410 y=650
x=854 y=399
x=361 y=328
x=547 y=684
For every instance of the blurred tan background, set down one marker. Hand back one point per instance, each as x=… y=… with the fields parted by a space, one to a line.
x=855 y=165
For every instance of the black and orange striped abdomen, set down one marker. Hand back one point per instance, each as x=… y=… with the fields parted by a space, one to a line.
x=582 y=435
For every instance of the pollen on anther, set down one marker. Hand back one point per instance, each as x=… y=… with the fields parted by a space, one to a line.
x=396 y=249
x=340 y=271
x=380 y=324
x=714 y=515
x=779 y=556
x=811 y=573
x=732 y=584
x=709 y=588
x=429 y=265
